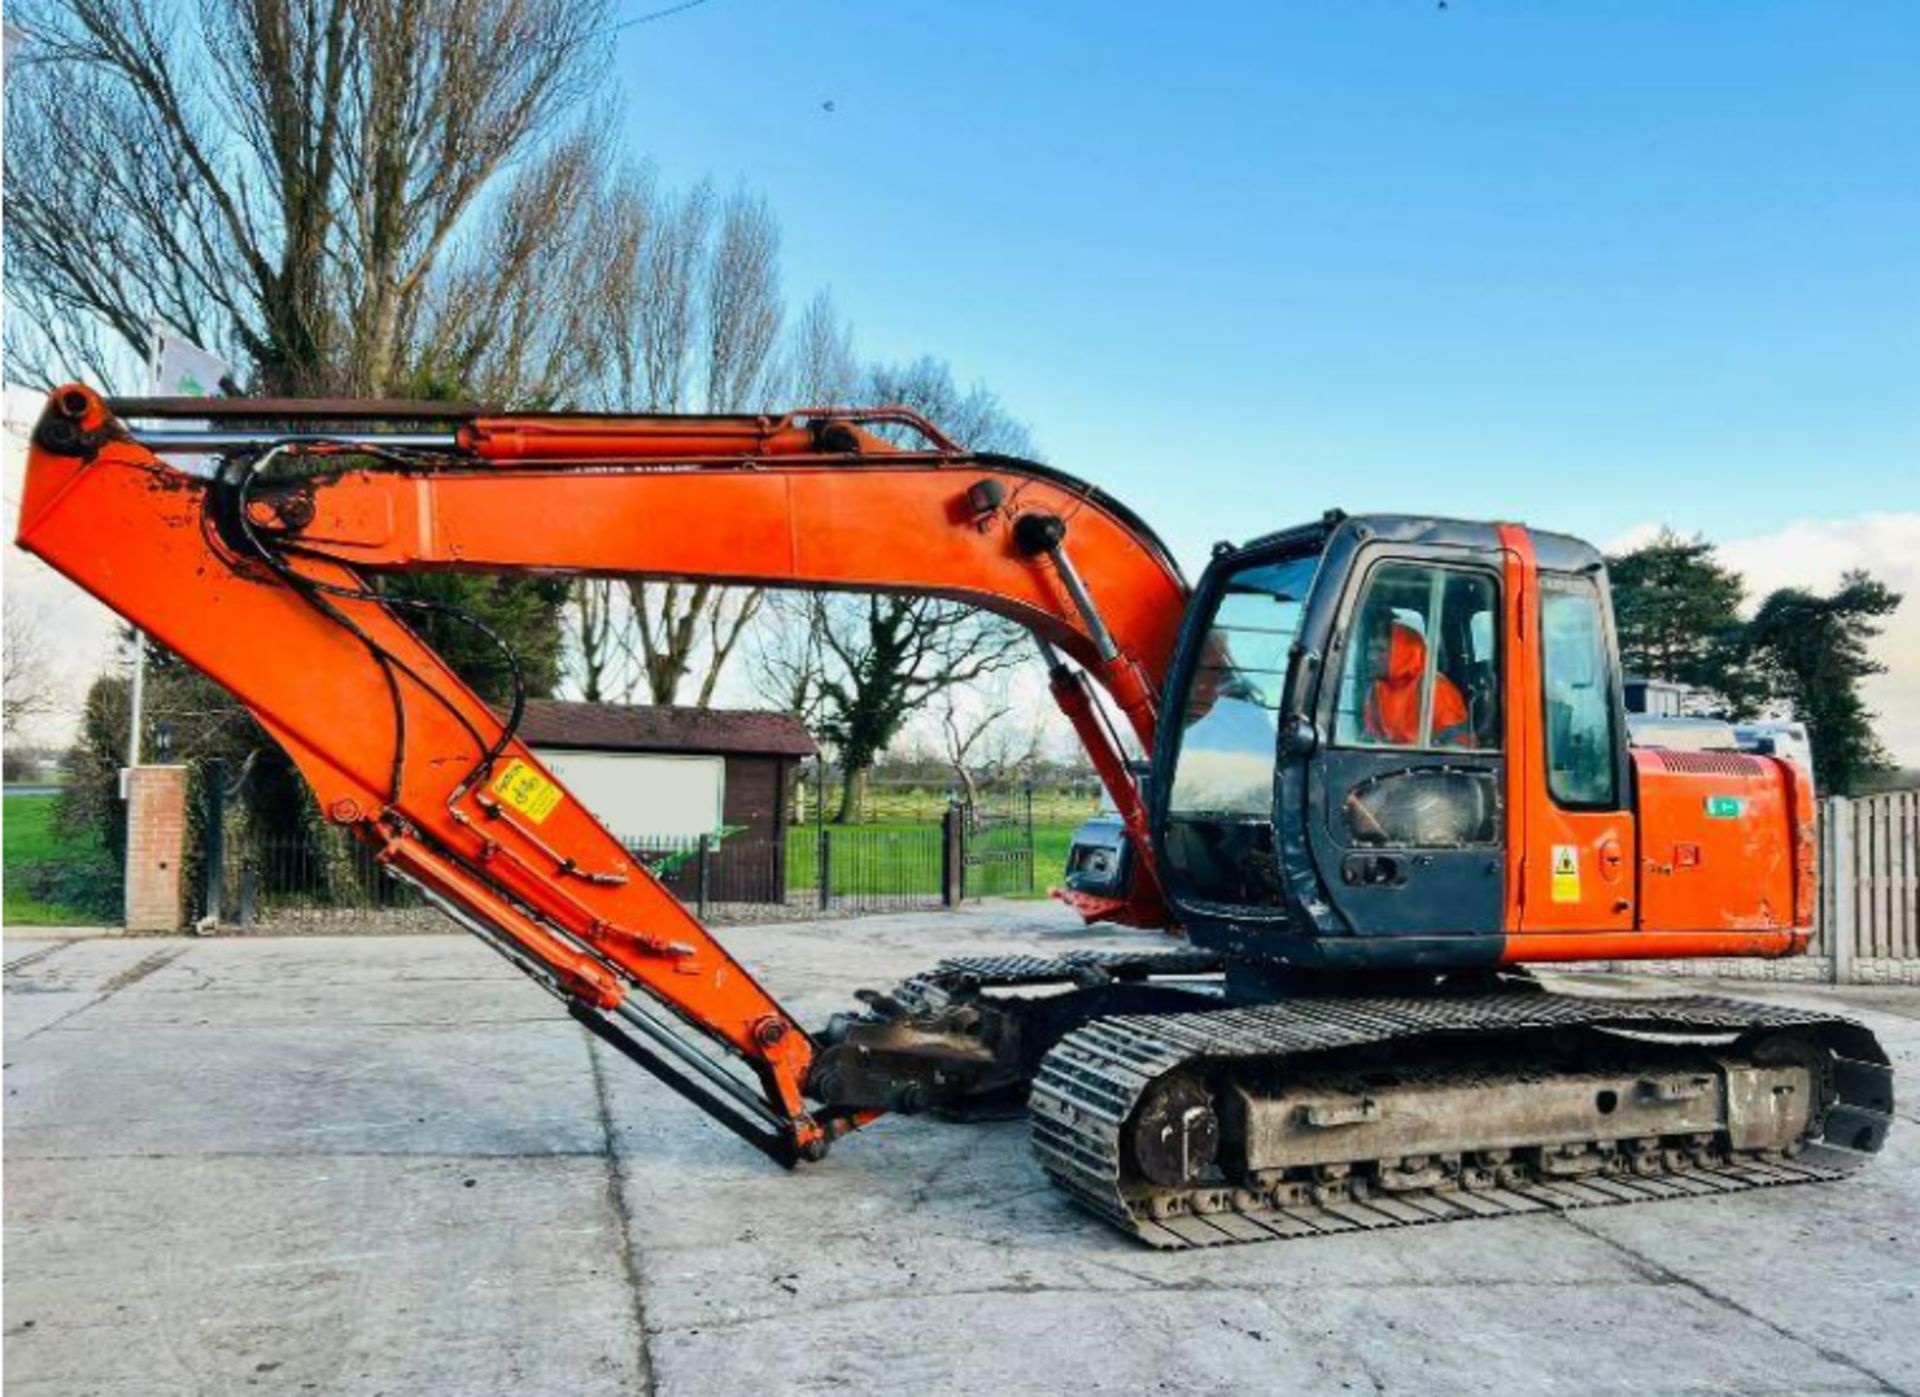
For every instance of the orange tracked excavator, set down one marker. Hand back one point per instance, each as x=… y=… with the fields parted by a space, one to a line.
x=1389 y=770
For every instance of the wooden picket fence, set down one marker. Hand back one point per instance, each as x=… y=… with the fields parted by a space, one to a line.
x=1870 y=883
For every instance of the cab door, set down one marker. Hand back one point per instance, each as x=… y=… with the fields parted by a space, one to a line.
x=1570 y=817
x=1409 y=829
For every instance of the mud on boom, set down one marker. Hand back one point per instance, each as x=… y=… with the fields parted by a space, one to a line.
x=1389 y=770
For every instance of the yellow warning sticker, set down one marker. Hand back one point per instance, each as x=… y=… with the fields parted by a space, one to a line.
x=1566 y=873
x=526 y=790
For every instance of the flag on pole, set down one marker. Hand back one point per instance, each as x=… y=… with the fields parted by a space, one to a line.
x=180 y=368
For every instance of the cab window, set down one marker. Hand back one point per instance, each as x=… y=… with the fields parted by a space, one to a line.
x=1219 y=838
x=1229 y=740
x=1577 y=684
x=1421 y=669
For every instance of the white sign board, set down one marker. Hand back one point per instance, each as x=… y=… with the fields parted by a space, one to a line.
x=644 y=796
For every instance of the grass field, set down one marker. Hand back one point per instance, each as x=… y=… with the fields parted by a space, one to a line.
x=1056 y=814
x=30 y=839
x=1050 y=853
x=889 y=804
x=903 y=857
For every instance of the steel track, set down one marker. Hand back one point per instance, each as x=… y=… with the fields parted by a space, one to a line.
x=1072 y=967
x=1094 y=1079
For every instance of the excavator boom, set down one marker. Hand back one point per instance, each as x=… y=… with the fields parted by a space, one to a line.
x=263 y=578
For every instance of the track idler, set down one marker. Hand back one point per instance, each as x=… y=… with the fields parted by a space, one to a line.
x=1176 y=1135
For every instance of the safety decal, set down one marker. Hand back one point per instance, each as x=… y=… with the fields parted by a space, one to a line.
x=526 y=790
x=1725 y=807
x=1566 y=873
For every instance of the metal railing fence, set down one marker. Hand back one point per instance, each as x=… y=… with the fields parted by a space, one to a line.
x=808 y=870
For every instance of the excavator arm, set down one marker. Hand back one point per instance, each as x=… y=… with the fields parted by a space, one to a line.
x=263 y=577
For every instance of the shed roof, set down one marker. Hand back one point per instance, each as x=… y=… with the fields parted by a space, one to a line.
x=628 y=727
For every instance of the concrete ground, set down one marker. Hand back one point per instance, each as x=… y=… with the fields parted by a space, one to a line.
x=353 y=1165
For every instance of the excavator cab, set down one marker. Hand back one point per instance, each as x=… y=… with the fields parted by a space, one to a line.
x=1354 y=710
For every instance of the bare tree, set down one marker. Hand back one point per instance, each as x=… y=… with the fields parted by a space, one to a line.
x=522 y=311
x=681 y=629
x=337 y=196
x=592 y=611
x=278 y=179
x=678 y=625
x=727 y=622
x=788 y=654
x=823 y=369
x=31 y=689
x=887 y=658
x=963 y=739
x=666 y=313
x=744 y=307
x=675 y=631
x=702 y=291
x=975 y=417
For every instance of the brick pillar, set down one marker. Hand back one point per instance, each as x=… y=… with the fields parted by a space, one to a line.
x=156 y=845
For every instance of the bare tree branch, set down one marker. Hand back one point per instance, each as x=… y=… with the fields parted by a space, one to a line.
x=30 y=689
x=963 y=736
x=726 y=623
x=787 y=654
x=666 y=315
x=744 y=307
x=592 y=613
x=279 y=179
x=975 y=418
x=890 y=657
x=823 y=370
x=701 y=291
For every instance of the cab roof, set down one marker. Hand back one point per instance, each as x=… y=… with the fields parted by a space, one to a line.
x=1553 y=551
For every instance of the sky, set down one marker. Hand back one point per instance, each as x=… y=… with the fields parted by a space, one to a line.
x=1594 y=267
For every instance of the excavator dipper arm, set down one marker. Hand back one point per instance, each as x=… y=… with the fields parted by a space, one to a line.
x=265 y=578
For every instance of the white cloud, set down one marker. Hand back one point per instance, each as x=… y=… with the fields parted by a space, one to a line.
x=1638 y=536
x=1813 y=553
